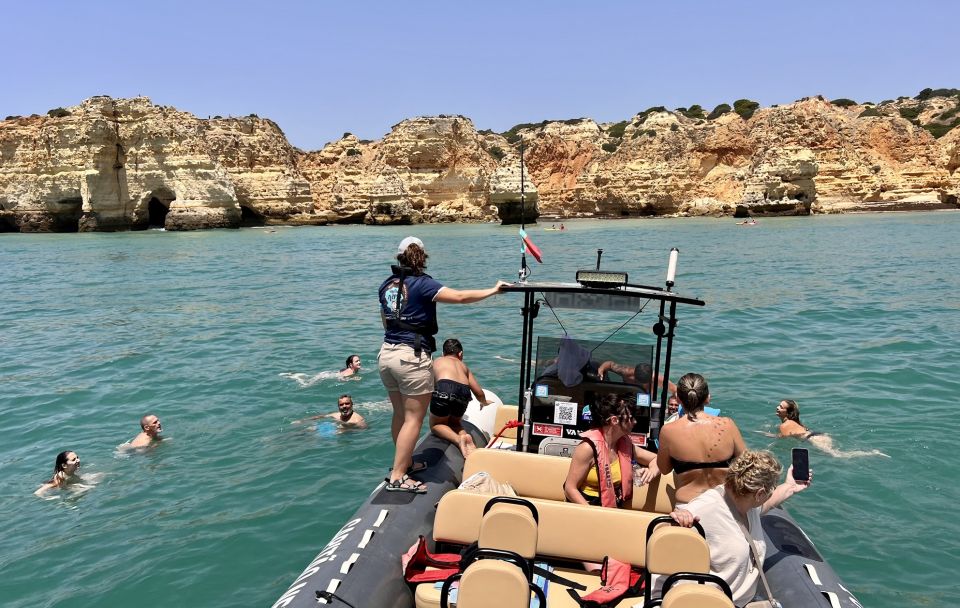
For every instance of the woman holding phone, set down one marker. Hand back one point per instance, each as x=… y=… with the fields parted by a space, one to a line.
x=730 y=516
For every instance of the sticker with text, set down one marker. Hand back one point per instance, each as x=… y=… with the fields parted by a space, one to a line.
x=638 y=439
x=643 y=400
x=540 y=390
x=547 y=430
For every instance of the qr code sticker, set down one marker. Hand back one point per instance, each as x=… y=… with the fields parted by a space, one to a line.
x=564 y=412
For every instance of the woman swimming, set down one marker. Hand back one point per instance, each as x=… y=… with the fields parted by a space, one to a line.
x=65 y=469
x=790 y=426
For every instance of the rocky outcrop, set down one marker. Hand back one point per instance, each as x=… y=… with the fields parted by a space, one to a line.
x=128 y=164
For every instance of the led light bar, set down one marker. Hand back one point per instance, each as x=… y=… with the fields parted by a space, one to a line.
x=601 y=278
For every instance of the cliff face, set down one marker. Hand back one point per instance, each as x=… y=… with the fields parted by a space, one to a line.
x=810 y=156
x=128 y=164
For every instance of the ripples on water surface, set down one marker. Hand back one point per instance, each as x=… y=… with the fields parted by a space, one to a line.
x=856 y=317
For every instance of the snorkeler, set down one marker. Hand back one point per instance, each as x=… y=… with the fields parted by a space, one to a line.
x=65 y=469
x=150 y=431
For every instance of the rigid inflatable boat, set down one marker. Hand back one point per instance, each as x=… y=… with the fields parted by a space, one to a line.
x=528 y=447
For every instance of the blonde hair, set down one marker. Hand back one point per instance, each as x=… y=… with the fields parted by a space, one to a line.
x=752 y=472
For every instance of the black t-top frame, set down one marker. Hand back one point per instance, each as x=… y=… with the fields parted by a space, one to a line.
x=574 y=295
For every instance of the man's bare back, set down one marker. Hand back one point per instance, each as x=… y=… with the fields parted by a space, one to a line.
x=451 y=368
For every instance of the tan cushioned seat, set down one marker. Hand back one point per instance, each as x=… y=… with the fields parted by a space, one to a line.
x=511 y=528
x=673 y=549
x=565 y=530
x=492 y=582
x=692 y=595
x=541 y=476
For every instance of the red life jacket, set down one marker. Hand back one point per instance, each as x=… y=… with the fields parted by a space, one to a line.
x=618 y=580
x=609 y=496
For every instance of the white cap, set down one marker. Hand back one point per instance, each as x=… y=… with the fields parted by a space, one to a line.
x=410 y=240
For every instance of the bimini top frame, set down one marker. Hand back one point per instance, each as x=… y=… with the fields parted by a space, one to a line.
x=626 y=298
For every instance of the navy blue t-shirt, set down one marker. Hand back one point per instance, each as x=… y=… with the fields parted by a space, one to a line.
x=418 y=308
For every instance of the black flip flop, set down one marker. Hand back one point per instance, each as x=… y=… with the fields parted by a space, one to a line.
x=397 y=485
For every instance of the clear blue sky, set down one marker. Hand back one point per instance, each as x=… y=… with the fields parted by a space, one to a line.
x=321 y=68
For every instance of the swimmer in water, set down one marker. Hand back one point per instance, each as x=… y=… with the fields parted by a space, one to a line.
x=790 y=426
x=150 y=432
x=673 y=408
x=65 y=472
x=353 y=367
x=346 y=417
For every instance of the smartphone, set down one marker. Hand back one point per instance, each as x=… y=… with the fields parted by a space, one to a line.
x=801 y=464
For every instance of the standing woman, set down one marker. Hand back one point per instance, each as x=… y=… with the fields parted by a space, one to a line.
x=408 y=307
x=698 y=446
x=65 y=469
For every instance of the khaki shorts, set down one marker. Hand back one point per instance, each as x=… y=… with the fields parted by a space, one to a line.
x=401 y=371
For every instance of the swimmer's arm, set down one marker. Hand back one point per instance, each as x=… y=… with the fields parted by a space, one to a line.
x=467 y=296
x=302 y=420
x=42 y=489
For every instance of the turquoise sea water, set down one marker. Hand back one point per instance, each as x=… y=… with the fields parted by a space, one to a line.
x=230 y=336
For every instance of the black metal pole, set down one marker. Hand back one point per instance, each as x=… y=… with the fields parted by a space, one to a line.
x=671 y=324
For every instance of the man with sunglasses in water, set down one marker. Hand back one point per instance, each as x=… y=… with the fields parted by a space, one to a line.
x=151 y=431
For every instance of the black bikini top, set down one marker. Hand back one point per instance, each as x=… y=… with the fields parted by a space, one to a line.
x=682 y=466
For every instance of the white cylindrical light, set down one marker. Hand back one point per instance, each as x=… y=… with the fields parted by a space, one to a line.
x=672 y=266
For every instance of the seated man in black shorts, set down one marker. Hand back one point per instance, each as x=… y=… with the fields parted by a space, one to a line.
x=453 y=383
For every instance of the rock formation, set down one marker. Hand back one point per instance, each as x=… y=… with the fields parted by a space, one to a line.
x=128 y=164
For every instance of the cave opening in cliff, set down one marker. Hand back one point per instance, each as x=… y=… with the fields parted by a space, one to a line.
x=66 y=215
x=7 y=224
x=249 y=218
x=157 y=212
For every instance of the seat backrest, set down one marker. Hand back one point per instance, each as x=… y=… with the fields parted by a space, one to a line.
x=541 y=476
x=692 y=595
x=565 y=530
x=673 y=549
x=510 y=527
x=493 y=582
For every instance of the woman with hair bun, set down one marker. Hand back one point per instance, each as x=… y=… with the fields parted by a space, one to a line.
x=699 y=447
x=730 y=515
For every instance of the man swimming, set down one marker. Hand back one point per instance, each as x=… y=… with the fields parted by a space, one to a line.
x=453 y=384
x=346 y=417
x=150 y=431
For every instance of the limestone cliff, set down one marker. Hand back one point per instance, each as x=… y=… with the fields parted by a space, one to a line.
x=128 y=164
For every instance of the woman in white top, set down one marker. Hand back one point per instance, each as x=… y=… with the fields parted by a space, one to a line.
x=730 y=513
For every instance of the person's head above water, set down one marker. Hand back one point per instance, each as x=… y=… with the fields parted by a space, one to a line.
x=353 y=362
x=452 y=346
x=693 y=392
x=673 y=404
x=151 y=425
x=66 y=464
x=789 y=410
x=412 y=254
x=345 y=405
